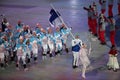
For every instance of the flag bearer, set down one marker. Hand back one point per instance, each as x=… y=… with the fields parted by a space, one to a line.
x=65 y=32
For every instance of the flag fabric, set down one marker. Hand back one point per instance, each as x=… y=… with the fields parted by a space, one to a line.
x=54 y=18
x=54 y=15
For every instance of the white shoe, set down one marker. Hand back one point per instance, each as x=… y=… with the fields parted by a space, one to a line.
x=26 y=69
x=83 y=77
x=17 y=68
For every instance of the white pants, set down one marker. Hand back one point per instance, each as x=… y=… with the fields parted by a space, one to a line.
x=64 y=39
x=58 y=46
x=21 y=57
x=35 y=52
x=28 y=54
x=75 y=58
x=51 y=47
x=113 y=62
x=2 y=56
x=45 y=48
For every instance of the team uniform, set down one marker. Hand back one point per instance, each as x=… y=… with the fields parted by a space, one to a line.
x=35 y=49
x=44 y=44
x=101 y=29
x=28 y=49
x=34 y=43
x=58 y=42
x=20 y=47
x=112 y=31
x=65 y=32
x=90 y=13
x=76 y=44
x=94 y=20
x=6 y=46
x=11 y=46
x=50 y=44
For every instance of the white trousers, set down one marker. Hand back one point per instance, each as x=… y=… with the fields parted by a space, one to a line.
x=28 y=54
x=2 y=56
x=113 y=62
x=58 y=46
x=75 y=58
x=51 y=47
x=45 y=48
x=22 y=58
x=35 y=52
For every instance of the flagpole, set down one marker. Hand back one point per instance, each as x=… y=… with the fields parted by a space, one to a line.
x=90 y=49
x=62 y=21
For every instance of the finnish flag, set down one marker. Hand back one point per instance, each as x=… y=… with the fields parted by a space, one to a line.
x=55 y=18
